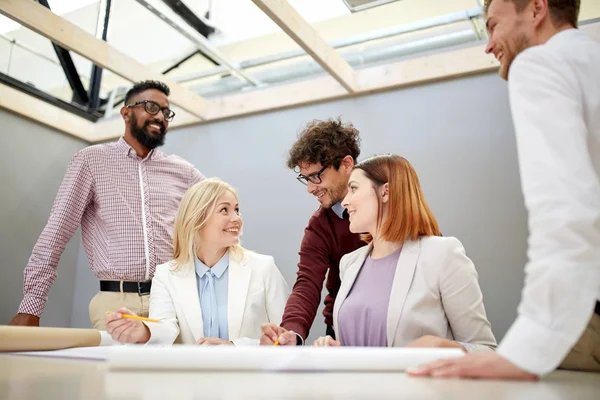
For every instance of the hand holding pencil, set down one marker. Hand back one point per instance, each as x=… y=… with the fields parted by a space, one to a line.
x=274 y=335
x=125 y=326
x=135 y=317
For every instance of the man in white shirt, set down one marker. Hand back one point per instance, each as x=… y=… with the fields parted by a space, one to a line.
x=554 y=87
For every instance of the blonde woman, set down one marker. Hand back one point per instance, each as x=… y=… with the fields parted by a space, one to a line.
x=213 y=291
x=409 y=286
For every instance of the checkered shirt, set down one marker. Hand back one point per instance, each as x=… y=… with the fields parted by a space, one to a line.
x=102 y=192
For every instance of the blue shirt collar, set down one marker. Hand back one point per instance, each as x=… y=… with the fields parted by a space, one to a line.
x=218 y=269
x=338 y=209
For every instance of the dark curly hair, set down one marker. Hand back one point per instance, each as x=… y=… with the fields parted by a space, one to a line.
x=142 y=86
x=325 y=142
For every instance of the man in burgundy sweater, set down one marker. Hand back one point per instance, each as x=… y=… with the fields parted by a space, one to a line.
x=324 y=155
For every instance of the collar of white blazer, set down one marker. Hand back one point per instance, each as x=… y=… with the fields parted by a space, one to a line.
x=239 y=278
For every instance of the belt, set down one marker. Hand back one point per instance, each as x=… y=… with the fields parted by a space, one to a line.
x=141 y=288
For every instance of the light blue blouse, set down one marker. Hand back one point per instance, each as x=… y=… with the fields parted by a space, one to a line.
x=212 y=290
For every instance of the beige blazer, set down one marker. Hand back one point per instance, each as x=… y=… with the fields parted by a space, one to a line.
x=257 y=294
x=435 y=292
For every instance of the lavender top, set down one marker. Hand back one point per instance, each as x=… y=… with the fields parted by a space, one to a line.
x=362 y=319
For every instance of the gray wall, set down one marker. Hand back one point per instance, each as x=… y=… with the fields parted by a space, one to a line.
x=458 y=134
x=33 y=162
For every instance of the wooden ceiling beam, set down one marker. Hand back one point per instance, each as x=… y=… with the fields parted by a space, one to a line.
x=297 y=28
x=38 y=18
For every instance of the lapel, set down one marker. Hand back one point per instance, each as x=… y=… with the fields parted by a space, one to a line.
x=347 y=283
x=186 y=290
x=239 y=281
x=403 y=277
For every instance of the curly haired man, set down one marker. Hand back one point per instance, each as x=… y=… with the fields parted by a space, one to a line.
x=324 y=156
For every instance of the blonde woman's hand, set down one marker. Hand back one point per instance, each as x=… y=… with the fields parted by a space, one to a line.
x=326 y=341
x=126 y=330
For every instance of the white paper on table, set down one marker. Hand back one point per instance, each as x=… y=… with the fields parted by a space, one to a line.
x=270 y=358
x=97 y=353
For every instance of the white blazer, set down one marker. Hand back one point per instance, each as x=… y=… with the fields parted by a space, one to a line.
x=435 y=292
x=257 y=294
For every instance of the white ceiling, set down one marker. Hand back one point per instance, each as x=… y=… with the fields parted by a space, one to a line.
x=138 y=33
x=235 y=19
x=59 y=7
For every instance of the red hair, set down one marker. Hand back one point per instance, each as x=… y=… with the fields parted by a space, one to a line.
x=409 y=216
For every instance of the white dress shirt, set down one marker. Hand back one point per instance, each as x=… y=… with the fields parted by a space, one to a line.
x=555 y=101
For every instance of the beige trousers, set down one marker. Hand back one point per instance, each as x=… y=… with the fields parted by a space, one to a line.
x=112 y=301
x=585 y=355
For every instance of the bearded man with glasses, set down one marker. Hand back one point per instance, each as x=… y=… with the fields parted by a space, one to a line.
x=125 y=196
x=323 y=156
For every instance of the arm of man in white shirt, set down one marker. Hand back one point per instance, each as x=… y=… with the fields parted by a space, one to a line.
x=562 y=196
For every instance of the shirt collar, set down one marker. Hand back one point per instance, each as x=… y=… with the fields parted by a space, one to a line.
x=126 y=149
x=218 y=269
x=338 y=209
x=567 y=35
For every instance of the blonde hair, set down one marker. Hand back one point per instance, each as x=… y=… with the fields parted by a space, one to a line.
x=409 y=215
x=197 y=205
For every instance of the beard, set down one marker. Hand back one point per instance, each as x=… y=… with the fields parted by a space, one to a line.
x=336 y=194
x=520 y=43
x=148 y=140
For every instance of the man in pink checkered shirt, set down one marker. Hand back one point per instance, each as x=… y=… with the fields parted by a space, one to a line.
x=125 y=196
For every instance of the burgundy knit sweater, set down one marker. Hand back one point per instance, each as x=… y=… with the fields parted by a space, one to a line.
x=326 y=239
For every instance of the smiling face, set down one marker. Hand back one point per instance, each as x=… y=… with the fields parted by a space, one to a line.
x=223 y=226
x=510 y=32
x=149 y=130
x=363 y=203
x=328 y=185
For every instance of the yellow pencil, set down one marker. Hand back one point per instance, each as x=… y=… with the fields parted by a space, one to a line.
x=135 y=317
x=276 y=343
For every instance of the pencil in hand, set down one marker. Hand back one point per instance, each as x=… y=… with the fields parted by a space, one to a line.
x=135 y=317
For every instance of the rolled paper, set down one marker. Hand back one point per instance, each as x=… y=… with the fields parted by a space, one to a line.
x=33 y=338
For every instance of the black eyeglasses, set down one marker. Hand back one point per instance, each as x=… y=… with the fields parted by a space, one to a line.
x=315 y=177
x=153 y=108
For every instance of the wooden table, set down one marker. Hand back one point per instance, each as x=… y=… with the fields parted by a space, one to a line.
x=24 y=378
